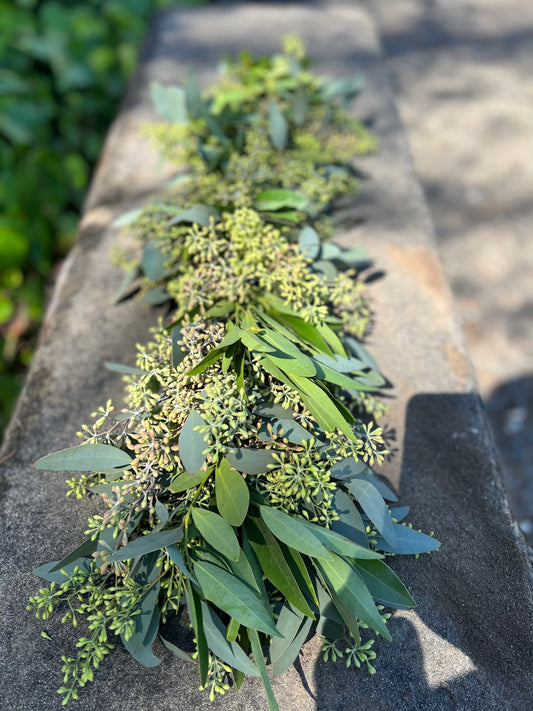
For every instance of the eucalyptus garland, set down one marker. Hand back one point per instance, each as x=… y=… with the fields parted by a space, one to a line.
x=238 y=482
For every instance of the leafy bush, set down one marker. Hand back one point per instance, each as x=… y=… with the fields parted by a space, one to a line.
x=63 y=68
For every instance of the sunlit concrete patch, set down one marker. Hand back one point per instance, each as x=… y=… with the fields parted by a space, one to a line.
x=442 y=661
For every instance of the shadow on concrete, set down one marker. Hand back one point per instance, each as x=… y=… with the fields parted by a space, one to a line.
x=468 y=643
x=510 y=410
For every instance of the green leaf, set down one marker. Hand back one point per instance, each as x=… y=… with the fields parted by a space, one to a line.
x=155 y=297
x=384 y=585
x=339 y=544
x=48 y=570
x=193 y=96
x=408 y=542
x=386 y=492
x=85 y=458
x=288 y=429
x=199 y=214
x=350 y=524
x=234 y=597
x=187 y=481
x=139 y=645
x=359 y=351
x=212 y=357
x=217 y=532
x=329 y=335
x=232 y=495
x=305 y=331
x=343 y=88
x=272 y=409
x=176 y=651
x=275 y=565
x=230 y=652
x=169 y=102
x=374 y=507
x=340 y=379
x=349 y=587
x=295 y=627
x=222 y=308
x=293 y=532
x=176 y=557
x=153 y=262
x=126 y=218
x=347 y=468
x=85 y=550
x=299 y=106
x=278 y=198
x=278 y=127
x=250 y=461
x=260 y=661
x=339 y=363
x=194 y=606
x=154 y=541
x=177 y=354
x=119 y=368
x=323 y=406
x=192 y=443
x=309 y=242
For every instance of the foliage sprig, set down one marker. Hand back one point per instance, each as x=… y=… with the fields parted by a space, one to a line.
x=238 y=480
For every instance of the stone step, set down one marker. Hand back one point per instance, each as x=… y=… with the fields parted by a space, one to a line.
x=468 y=644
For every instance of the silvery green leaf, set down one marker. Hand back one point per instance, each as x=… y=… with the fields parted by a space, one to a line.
x=192 y=443
x=85 y=458
x=278 y=127
x=169 y=102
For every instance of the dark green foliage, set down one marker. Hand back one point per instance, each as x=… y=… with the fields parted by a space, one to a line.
x=63 y=68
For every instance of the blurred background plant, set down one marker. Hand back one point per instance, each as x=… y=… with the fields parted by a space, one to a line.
x=63 y=68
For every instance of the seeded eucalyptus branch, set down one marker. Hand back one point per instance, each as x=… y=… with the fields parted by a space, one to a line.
x=238 y=480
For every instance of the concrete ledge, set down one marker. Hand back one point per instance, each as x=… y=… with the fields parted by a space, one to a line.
x=468 y=645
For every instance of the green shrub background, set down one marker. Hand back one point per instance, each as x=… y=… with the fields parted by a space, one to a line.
x=63 y=69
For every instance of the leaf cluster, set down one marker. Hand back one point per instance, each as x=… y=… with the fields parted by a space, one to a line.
x=238 y=480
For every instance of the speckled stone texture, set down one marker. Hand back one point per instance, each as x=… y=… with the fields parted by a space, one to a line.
x=468 y=644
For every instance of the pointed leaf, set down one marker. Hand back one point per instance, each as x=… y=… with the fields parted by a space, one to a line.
x=169 y=102
x=374 y=507
x=384 y=585
x=85 y=458
x=278 y=127
x=295 y=627
x=293 y=532
x=216 y=532
x=309 y=242
x=278 y=198
x=192 y=443
x=230 y=652
x=187 y=481
x=234 y=597
x=154 y=541
x=153 y=262
x=349 y=587
x=176 y=651
x=177 y=353
x=250 y=461
x=408 y=542
x=232 y=494
x=341 y=545
x=85 y=550
x=275 y=565
x=350 y=524
x=194 y=606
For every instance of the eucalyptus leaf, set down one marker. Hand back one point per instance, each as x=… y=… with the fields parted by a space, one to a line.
x=293 y=532
x=230 y=652
x=155 y=297
x=278 y=198
x=169 y=102
x=384 y=585
x=232 y=494
x=127 y=369
x=176 y=651
x=349 y=587
x=374 y=507
x=127 y=218
x=154 y=541
x=250 y=461
x=234 y=597
x=339 y=544
x=176 y=557
x=153 y=262
x=186 y=481
x=295 y=627
x=408 y=542
x=199 y=214
x=278 y=127
x=349 y=524
x=309 y=242
x=192 y=443
x=85 y=458
x=177 y=353
x=217 y=532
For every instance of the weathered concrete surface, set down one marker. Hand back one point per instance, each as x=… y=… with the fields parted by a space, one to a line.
x=468 y=644
x=461 y=73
